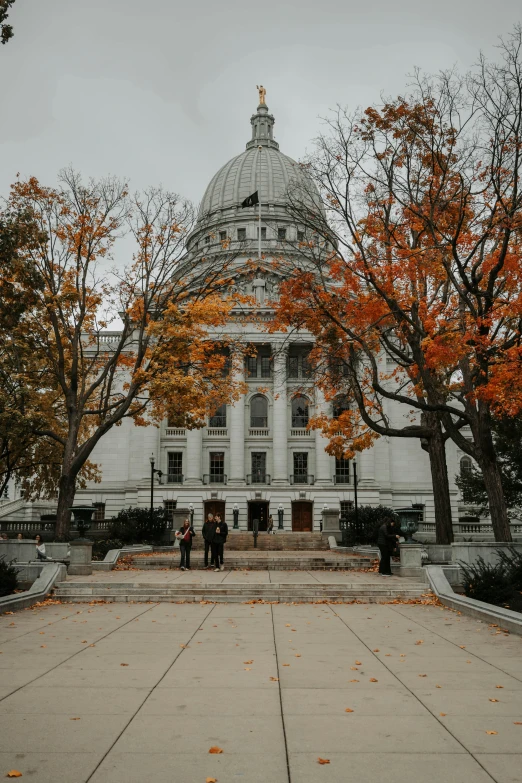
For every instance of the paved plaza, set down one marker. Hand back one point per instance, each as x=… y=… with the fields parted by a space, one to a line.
x=123 y=693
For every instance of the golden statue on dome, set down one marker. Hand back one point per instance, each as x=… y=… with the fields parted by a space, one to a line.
x=262 y=93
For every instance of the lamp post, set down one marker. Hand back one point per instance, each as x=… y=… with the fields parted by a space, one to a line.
x=152 y=460
x=280 y=516
x=191 y=510
x=325 y=508
x=235 y=512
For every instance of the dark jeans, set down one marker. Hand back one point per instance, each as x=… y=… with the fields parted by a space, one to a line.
x=208 y=546
x=217 y=554
x=384 y=565
x=185 y=554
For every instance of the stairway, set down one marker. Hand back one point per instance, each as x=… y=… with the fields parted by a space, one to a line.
x=244 y=541
x=349 y=592
x=257 y=560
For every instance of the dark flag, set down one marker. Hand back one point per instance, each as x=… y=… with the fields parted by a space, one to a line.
x=250 y=201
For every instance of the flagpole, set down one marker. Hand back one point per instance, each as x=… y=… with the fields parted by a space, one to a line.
x=259 y=196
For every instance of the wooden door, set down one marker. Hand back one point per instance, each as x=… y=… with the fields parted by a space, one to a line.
x=258 y=510
x=302 y=516
x=215 y=507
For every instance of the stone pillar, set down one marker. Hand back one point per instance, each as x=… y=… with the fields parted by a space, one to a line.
x=366 y=467
x=280 y=418
x=80 y=563
x=411 y=560
x=236 y=426
x=323 y=461
x=193 y=471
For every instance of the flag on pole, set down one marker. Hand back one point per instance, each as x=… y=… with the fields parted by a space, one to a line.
x=250 y=201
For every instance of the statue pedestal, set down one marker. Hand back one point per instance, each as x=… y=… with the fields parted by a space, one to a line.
x=81 y=557
x=411 y=560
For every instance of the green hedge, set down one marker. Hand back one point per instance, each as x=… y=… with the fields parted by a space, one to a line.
x=496 y=584
x=8 y=577
x=138 y=526
x=370 y=518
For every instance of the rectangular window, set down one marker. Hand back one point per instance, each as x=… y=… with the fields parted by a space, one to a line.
x=217 y=466
x=300 y=236
x=300 y=467
x=170 y=507
x=219 y=419
x=222 y=236
x=241 y=234
x=175 y=467
x=207 y=239
x=99 y=514
x=258 y=467
x=346 y=507
x=266 y=367
x=293 y=367
x=342 y=471
x=252 y=366
x=281 y=234
x=263 y=233
x=306 y=367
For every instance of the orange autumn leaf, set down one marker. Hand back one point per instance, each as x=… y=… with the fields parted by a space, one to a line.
x=323 y=761
x=493 y=699
x=491 y=732
x=442 y=714
x=358 y=663
x=372 y=679
x=274 y=679
x=211 y=780
x=215 y=749
x=499 y=686
x=124 y=664
x=14 y=773
x=517 y=722
x=376 y=650
x=354 y=680
x=348 y=710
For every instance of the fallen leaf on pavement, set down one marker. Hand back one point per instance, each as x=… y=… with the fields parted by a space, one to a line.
x=274 y=679
x=372 y=679
x=323 y=761
x=499 y=686
x=354 y=680
x=211 y=780
x=419 y=641
x=493 y=699
x=215 y=749
x=124 y=664
x=442 y=714
x=348 y=710
x=297 y=655
x=247 y=662
x=354 y=668
x=517 y=722
x=358 y=663
x=74 y=718
x=423 y=675
x=491 y=732
x=14 y=774
x=438 y=686
x=377 y=650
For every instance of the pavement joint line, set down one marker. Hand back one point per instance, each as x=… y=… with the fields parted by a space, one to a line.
x=316 y=579
x=475 y=655
x=78 y=652
x=437 y=718
x=199 y=624
x=288 y=773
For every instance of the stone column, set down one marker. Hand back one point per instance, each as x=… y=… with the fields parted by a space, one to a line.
x=280 y=418
x=366 y=467
x=236 y=425
x=193 y=470
x=323 y=461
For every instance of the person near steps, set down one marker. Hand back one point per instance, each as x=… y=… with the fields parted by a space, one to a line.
x=185 y=535
x=386 y=541
x=220 y=538
x=209 y=531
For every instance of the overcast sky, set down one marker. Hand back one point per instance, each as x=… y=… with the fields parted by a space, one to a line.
x=161 y=92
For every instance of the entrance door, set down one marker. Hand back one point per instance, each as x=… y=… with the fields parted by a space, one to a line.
x=215 y=507
x=302 y=516
x=258 y=510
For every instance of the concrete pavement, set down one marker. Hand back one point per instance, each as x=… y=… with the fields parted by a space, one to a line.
x=133 y=692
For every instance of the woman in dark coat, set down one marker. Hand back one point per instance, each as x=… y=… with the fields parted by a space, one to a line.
x=218 y=544
x=386 y=541
x=185 y=535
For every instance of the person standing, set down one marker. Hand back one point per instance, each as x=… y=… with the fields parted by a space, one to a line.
x=185 y=535
x=386 y=541
x=220 y=538
x=209 y=531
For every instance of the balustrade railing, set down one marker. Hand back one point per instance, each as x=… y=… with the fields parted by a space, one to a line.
x=213 y=478
x=258 y=478
x=299 y=479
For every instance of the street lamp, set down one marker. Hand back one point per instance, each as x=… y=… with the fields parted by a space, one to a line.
x=191 y=511
x=280 y=516
x=152 y=460
x=235 y=512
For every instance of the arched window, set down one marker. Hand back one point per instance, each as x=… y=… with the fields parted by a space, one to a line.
x=259 y=411
x=299 y=412
x=340 y=404
x=465 y=466
x=219 y=418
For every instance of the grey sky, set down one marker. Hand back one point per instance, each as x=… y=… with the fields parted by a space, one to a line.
x=162 y=91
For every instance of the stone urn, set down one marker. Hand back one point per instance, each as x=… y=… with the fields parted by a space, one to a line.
x=81 y=547
x=409 y=522
x=82 y=518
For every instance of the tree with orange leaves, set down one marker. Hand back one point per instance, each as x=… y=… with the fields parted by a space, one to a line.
x=164 y=357
x=421 y=257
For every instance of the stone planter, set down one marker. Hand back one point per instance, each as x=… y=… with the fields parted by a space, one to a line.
x=411 y=560
x=468 y=552
x=81 y=557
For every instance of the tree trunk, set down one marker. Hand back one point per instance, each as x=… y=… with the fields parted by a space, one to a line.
x=66 y=493
x=496 y=500
x=436 y=448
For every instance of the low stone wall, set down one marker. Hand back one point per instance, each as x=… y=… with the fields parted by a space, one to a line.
x=25 y=551
x=113 y=555
x=49 y=575
x=469 y=552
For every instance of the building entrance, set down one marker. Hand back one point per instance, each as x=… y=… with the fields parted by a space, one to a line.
x=258 y=509
x=302 y=516
x=215 y=507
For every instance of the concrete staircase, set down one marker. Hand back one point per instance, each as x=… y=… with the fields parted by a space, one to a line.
x=255 y=560
x=348 y=592
x=244 y=542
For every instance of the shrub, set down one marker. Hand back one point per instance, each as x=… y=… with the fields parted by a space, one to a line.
x=135 y=525
x=512 y=564
x=370 y=518
x=485 y=582
x=102 y=546
x=8 y=577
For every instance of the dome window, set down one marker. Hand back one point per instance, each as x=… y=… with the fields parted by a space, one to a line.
x=300 y=236
x=241 y=234
x=263 y=233
x=222 y=236
x=281 y=234
x=207 y=239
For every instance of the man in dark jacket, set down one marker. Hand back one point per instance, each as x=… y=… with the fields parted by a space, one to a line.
x=208 y=532
x=219 y=542
x=386 y=541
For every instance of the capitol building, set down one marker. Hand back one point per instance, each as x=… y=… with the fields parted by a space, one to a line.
x=256 y=457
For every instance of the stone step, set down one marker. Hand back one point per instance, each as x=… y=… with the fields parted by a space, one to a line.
x=264 y=561
x=244 y=541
